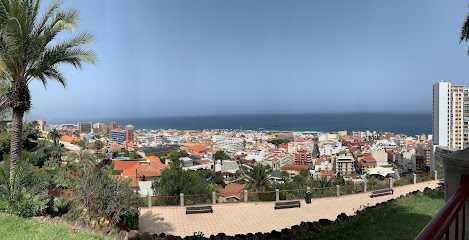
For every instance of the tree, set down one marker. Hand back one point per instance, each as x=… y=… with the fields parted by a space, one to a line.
x=29 y=51
x=55 y=136
x=301 y=178
x=30 y=133
x=82 y=145
x=55 y=152
x=174 y=157
x=176 y=181
x=285 y=176
x=84 y=158
x=98 y=145
x=134 y=155
x=221 y=155
x=277 y=142
x=258 y=177
x=464 y=36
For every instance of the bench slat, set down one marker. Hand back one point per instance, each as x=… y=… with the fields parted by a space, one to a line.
x=291 y=204
x=382 y=192
x=202 y=209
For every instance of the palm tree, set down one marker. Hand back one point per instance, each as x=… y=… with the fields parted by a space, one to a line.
x=28 y=52
x=85 y=158
x=55 y=136
x=258 y=176
x=56 y=152
x=465 y=31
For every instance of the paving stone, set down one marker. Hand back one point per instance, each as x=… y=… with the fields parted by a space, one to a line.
x=253 y=217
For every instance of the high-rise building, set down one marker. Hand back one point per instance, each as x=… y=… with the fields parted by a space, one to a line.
x=98 y=127
x=450 y=122
x=106 y=129
x=112 y=125
x=42 y=125
x=303 y=156
x=118 y=136
x=84 y=127
x=129 y=133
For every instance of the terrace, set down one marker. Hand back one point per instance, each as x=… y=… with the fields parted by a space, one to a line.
x=251 y=217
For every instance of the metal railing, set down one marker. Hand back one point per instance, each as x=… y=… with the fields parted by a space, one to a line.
x=451 y=212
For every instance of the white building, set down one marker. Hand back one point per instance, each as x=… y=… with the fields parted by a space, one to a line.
x=232 y=144
x=450 y=123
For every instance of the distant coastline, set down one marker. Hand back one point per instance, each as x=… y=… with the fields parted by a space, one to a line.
x=406 y=123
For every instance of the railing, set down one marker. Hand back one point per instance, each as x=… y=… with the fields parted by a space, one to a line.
x=450 y=213
x=377 y=185
x=159 y=201
x=424 y=177
x=295 y=194
x=261 y=196
x=197 y=199
x=403 y=181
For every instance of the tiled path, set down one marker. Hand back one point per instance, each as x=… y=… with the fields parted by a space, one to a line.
x=242 y=218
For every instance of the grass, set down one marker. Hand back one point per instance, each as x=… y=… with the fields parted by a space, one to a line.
x=400 y=219
x=21 y=228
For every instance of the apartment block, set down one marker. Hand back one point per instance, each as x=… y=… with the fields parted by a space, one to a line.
x=450 y=115
x=84 y=127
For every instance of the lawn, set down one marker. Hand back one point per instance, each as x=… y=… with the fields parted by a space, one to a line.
x=21 y=228
x=400 y=219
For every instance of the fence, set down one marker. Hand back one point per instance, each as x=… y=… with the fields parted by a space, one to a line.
x=261 y=196
x=352 y=189
x=425 y=177
x=377 y=185
x=403 y=181
x=197 y=199
x=295 y=194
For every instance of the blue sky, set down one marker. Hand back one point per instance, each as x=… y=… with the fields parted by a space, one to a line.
x=170 y=58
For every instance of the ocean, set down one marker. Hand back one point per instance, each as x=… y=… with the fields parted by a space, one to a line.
x=408 y=123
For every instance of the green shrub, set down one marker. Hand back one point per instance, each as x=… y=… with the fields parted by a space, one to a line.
x=28 y=206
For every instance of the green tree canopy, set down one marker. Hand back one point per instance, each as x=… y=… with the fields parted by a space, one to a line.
x=30 y=50
x=221 y=155
x=176 y=181
x=258 y=177
x=55 y=136
x=277 y=142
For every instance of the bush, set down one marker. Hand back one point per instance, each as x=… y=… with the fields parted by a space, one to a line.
x=27 y=196
x=99 y=195
x=28 y=206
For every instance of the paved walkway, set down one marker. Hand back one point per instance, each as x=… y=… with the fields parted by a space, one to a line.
x=242 y=218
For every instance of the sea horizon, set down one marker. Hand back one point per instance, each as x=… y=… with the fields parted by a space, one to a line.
x=405 y=123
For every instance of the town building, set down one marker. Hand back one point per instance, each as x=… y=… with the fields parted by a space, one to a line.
x=112 y=125
x=450 y=102
x=41 y=125
x=84 y=127
x=303 y=156
x=118 y=136
x=345 y=163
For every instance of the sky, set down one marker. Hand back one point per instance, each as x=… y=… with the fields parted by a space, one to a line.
x=184 y=58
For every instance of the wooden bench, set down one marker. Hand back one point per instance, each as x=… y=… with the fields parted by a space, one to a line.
x=290 y=204
x=201 y=209
x=382 y=192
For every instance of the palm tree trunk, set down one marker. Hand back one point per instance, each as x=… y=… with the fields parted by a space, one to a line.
x=16 y=144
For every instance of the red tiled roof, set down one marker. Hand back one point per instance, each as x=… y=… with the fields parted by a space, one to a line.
x=123 y=165
x=154 y=158
x=232 y=190
x=198 y=148
x=293 y=167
